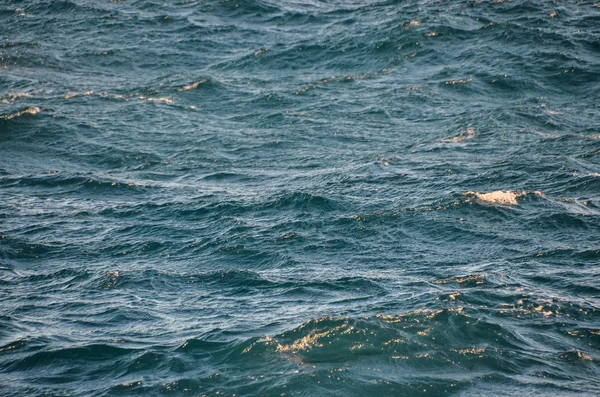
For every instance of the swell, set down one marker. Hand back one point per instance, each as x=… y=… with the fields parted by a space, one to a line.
x=418 y=346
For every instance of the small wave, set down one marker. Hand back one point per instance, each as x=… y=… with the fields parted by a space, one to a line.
x=459 y=81
x=160 y=100
x=73 y=95
x=412 y=336
x=576 y=356
x=471 y=280
x=299 y=200
x=30 y=111
x=260 y=52
x=343 y=79
x=498 y=197
x=96 y=351
x=466 y=135
x=12 y=97
x=413 y=23
x=192 y=86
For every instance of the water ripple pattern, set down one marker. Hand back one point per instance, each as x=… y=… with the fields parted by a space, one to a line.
x=299 y=198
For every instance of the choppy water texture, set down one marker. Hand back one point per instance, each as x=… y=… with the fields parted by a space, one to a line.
x=313 y=198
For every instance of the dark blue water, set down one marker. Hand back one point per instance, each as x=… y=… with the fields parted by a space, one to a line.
x=310 y=198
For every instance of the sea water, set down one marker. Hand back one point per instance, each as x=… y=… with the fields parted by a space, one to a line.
x=299 y=198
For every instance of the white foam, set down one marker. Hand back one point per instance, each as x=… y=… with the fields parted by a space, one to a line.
x=499 y=197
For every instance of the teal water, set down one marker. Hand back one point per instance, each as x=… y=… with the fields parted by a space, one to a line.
x=299 y=198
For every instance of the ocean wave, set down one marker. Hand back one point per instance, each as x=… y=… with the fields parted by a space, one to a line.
x=29 y=111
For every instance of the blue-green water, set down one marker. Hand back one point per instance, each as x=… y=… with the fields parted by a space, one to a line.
x=299 y=198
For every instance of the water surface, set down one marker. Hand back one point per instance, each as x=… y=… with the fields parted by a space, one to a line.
x=313 y=198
